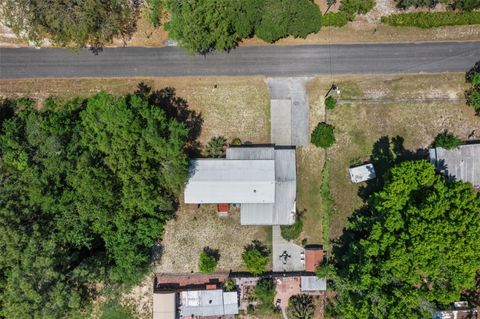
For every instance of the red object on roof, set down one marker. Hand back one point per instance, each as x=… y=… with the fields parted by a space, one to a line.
x=223 y=208
x=211 y=286
x=313 y=258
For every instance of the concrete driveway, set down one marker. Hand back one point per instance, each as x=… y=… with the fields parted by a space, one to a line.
x=289 y=110
x=282 y=247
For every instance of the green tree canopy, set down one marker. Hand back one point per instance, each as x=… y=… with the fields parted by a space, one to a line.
x=264 y=293
x=201 y=26
x=415 y=248
x=72 y=23
x=87 y=186
x=323 y=135
x=256 y=257
x=208 y=260
x=447 y=140
x=282 y=18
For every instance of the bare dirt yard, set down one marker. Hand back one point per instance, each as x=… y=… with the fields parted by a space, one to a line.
x=358 y=126
x=230 y=106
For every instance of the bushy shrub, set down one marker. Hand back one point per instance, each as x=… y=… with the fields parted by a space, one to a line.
x=215 y=147
x=282 y=18
x=352 y=7
x=447 y=140
x=256 y=257
x=153 y=12
x=335 y=19
x=473 y=97
x=323 y=135
x=427 y=20
x=208 y=260
x=330 y=102
x=236 y=141
x=292 y=232
x=264 y=292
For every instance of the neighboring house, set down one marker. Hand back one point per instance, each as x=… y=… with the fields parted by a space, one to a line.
x=461 y=163
x=193 y=296
x=207 y=303
x=362 y=173
x=261 y=180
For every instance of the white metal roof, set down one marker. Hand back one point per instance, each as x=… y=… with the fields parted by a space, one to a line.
x=462 y=163
x=313 y=283
x=362 y=173
x=208 y=303
x=164 y=306
x=231 y=181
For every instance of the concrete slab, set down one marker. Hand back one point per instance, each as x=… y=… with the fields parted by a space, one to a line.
x=296 y=254
x=281 y=121
x=292 y=89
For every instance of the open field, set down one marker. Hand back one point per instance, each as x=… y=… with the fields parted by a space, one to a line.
x=360 y=125
x=232 y=107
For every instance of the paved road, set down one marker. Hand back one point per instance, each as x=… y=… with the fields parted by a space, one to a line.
x=265 y=60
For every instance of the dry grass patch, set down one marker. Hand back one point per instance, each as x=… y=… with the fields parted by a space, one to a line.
x=310 y=160
x=192 y=230
x=230 y=106
x=359 y=126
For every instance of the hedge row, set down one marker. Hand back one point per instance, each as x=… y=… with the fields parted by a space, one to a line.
x=338 y=19
x=427 y=20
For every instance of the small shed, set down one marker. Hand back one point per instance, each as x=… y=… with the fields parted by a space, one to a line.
x=313 y=284
x=362 y=173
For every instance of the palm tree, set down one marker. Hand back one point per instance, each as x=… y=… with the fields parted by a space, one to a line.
x=301 y=307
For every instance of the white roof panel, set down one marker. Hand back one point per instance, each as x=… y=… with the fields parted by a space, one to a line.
x=231 y=181
x=362 y=173
x=313 y=283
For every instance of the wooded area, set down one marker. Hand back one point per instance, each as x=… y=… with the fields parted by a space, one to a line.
x=412 y=250
x=87 y=186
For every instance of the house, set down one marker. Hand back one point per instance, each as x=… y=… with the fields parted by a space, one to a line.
x=362 y=173
x=261 y=180
x=207 y=303
x=185 y=296
x=461 y=163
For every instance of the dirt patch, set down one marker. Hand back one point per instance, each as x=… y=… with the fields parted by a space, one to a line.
x=230 y=106
x=192 y=230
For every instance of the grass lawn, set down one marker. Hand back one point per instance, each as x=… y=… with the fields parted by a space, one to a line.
x=359 y=126
x=230 y=106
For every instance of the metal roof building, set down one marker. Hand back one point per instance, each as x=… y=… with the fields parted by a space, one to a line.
x=362 y=173
x=204 y=303
x=261 y=179
x=313 y=283
x=461 y=163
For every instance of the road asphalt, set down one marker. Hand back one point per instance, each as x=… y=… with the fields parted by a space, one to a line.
x=305 y=60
